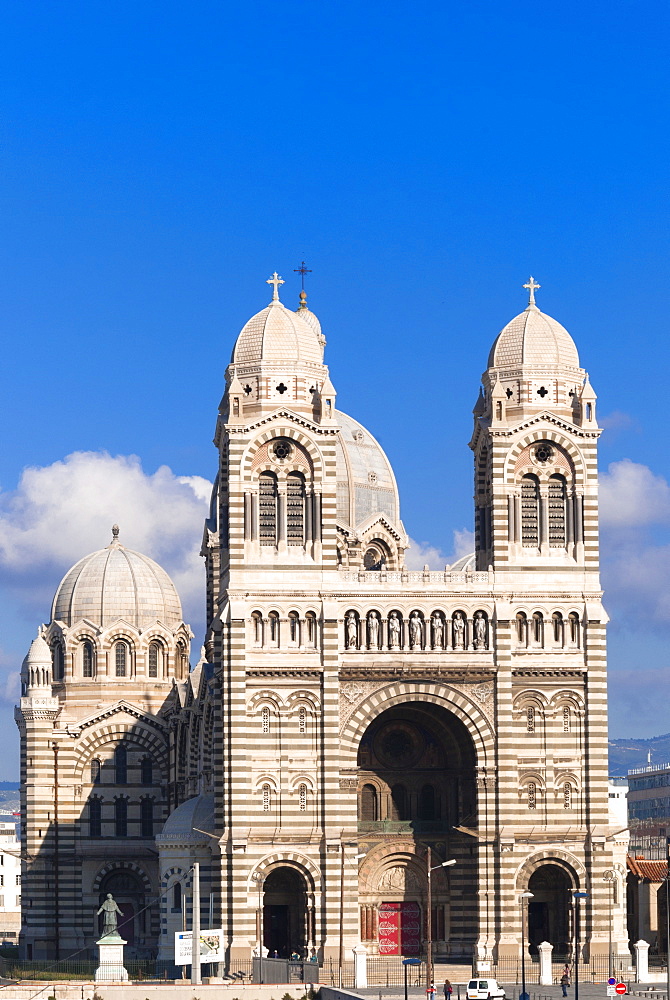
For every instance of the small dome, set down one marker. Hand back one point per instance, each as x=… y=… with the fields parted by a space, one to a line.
x=189 y=819
x=466 y=564
x=365 y=481
x=114 y=583
x=533 y=339
x=39 y=654
x=277 y=334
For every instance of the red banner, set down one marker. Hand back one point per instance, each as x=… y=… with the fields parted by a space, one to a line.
x=399 y=929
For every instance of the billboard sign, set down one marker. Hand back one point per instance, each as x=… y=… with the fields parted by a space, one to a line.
x=211 y=946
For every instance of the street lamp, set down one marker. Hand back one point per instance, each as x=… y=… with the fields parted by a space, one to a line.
x=610 y=877
x=667 y=928
x=577 y=897
x=259 y=879
x=429 y=917
x=524 y=897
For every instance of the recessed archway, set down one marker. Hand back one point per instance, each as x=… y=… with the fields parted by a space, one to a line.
x=285 y=929
x=416 y=785
x=549 y=909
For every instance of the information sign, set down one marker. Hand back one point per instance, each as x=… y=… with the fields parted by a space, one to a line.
x=211 y=946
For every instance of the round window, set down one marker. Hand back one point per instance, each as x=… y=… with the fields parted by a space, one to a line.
x=544 y=453
x=282 y=450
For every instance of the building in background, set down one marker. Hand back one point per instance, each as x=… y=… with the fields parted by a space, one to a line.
x=349 y=721
x=649 y=811
x=10 y=881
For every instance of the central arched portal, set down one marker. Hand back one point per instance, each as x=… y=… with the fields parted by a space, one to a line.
x=416 y=783
x=285 y=913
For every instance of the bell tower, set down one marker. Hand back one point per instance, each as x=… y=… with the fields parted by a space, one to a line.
x=534 y=441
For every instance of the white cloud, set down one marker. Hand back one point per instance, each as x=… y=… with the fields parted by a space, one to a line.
x=422 y=554
x=631 y=495
x=63 y=511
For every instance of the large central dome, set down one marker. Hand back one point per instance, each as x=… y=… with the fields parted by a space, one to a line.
x=114 y=583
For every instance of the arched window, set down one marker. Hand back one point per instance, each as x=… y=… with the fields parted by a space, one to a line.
x=557 y=627
x=295 y=509
x=302 y=797
x=557 y=507
x=267 y=794
x=87 y=658
x=566 y=719
x=121 y=817
x=427 y=803
x=530 y=511
x=121 y=658
x=147 y=818
x=273 y=625
x=182 y=660
x=154 y=656
x=58 y=662
x=573 y=620
x=567 y=795
x=399 y=803
x=521 y=628
x=294 y=627
x=310 y=622
x=532 y=794
x=530 y=719
x=96 y=770
x=302 y=719
x=121 y=764
x=267 y=508
x=176 y=896
x=265 y=719
x=147 y=771
x=95 y=817
x=369 y=804
x=538 y=629
x=257 y=628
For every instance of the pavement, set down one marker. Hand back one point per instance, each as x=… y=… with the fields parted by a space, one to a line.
x=587 y=991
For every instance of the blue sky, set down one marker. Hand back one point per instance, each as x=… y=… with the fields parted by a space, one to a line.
x=160 y=161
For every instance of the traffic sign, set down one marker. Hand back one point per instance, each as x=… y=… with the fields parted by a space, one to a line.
x=611 y=982
x=611 y=992
x=621 y=988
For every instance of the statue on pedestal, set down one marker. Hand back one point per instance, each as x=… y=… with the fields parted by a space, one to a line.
x=110 y=908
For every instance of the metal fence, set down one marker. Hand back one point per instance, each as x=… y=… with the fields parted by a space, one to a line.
x=75 y=969
x=597 y=970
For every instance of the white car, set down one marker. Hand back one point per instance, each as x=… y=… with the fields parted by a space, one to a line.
x=484 y=989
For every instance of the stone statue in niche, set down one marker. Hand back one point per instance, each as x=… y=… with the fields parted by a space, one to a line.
x=459 y=631
x=352 y=631
x=415 y=630
x=394 y=630
x=480 y=631
x=438 y=631
x=373 y=630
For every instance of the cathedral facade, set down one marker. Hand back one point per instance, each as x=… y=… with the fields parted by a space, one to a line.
x=350 y=723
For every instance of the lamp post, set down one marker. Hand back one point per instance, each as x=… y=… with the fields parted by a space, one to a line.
x=577 y=897
x=610 y=878
x=524 y=897
x=259 y=879
x=429 y=917
x=667 y=931
x=340 y=950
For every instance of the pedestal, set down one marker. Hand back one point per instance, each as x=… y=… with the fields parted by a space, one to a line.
x=110 y=958
x=545 y=949
x=641 y=961
x=361 y=967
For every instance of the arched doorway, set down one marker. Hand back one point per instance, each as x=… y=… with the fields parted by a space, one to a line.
x=285 y=913
x=416 y=783
x=127 y=889
x=549 y=909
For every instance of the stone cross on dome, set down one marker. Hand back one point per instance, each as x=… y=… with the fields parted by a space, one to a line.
x=531 y=285
x=276 y=281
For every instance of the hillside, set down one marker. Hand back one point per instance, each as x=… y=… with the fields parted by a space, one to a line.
x=625 y=754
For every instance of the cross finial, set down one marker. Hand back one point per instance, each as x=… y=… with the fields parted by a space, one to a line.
x=302 y=271
x=531 y=285
x=276 y=281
